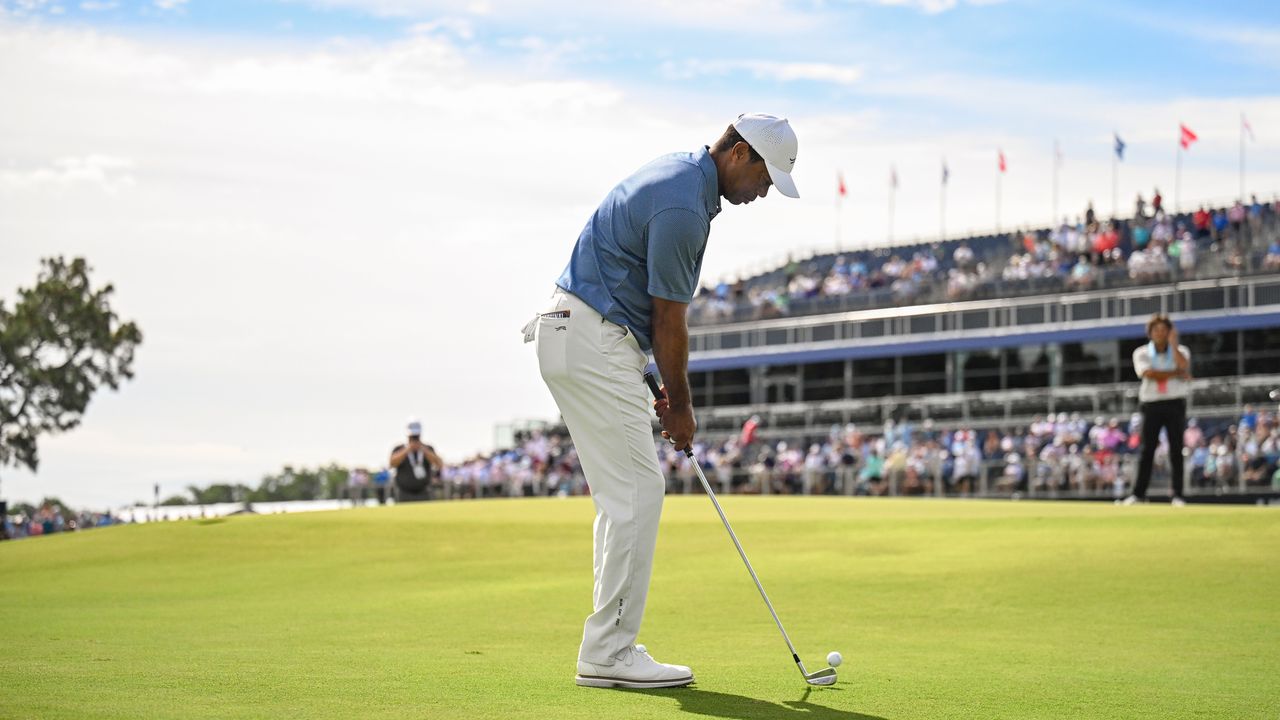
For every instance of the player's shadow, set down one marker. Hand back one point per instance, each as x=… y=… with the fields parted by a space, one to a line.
x=723 y=705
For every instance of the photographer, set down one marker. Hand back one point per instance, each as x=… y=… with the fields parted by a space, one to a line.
x=414 y=463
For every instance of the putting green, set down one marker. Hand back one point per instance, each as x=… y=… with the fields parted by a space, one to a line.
x=942 y=609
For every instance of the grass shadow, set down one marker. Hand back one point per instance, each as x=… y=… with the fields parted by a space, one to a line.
x=738 y=707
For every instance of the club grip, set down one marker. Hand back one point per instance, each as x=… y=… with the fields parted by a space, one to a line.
x=659 y=395
x=653 y=386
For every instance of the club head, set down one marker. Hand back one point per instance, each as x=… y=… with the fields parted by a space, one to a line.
x=825 y=676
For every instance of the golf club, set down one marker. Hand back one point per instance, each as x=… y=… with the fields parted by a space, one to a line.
x=825 y=676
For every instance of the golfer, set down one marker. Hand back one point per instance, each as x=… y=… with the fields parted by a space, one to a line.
x=1165 y=369
x=624 y=293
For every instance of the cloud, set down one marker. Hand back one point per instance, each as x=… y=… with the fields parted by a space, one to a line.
x=755 y=17
x=411 y=70
x=765 y=70
x=424 y=71
x=542 y=55
x=934 y=7
x=1259 y=41
x=22 y=8
x=110 y=174
x=460 y=27
x=98 y=5
x=293 y=200
x=170 y=4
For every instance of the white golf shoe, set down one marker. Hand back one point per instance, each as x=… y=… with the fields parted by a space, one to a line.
x=634 y=669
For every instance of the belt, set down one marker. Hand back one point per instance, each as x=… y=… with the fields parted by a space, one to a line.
x=530 y=328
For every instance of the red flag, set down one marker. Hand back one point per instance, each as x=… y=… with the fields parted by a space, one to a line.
x=1248 y=127
x=893 y=177
x=840 y=184
x=1187 y=138
x=1003 y=167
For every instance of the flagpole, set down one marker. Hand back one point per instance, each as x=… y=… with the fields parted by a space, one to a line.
x=893 y=190
x=1241 y=157
x=998 y=174
x=1053 y=219
x=1115 y=181
x=1177 y=180
x=942 y=205
x=839 y=180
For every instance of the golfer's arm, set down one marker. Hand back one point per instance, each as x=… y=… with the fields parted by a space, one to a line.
x=671 y=349
x=435 y=460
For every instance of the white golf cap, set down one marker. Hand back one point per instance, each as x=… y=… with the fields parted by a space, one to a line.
x=774 y=139
x=415 y=427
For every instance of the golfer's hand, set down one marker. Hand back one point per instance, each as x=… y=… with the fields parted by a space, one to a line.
x=661 y=404
x=678 y=425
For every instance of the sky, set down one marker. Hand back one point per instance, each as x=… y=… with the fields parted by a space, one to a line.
x=330 y=215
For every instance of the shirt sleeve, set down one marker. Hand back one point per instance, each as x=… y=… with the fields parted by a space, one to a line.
x=1141 y=361
x=676 y=239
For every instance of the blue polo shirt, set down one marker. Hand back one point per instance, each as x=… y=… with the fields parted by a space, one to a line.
x=646 y=240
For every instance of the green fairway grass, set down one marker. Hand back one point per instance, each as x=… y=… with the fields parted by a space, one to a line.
x=942 y=609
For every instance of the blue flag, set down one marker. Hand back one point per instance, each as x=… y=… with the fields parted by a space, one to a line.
x=1119 y=147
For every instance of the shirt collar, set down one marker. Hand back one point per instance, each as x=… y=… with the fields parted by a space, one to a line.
x=708 y=167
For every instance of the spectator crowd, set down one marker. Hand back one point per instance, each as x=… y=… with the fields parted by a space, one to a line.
x=52 y=517
x=1062 y=454
x=1153 y=246
x=1053 y=454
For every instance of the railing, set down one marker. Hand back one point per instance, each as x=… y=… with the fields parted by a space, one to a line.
x=1209 y=397
x=1030 y=480
x=1000 y=316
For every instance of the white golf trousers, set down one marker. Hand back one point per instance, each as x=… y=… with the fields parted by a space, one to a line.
x=594 y=370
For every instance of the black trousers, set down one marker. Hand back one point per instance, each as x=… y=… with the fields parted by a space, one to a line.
x=1172 y=416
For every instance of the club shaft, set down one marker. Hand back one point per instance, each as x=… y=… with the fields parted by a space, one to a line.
x=742 y=553
x=659 y=394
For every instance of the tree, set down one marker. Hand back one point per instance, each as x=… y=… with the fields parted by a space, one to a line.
x=58 y=344
x=333 y=480
x=291 y=484
x=218 y=493
x=329 y=481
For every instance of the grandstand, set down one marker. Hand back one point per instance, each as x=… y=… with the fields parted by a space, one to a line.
x=797 y=288
x=1022 y=387
x=1017 y=352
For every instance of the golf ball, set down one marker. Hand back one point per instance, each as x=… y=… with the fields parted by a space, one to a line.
x=834 y=659
x=641 y=648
